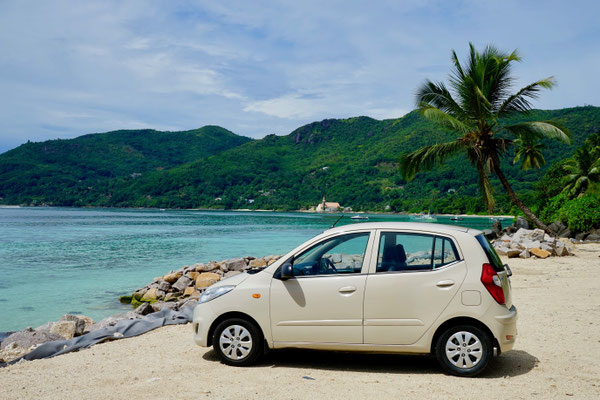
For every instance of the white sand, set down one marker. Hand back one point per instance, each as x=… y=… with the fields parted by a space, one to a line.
x=557 y=355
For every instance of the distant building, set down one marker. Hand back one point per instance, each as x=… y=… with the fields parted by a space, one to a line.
x=328 y=206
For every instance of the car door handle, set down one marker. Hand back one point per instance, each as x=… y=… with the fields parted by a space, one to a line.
x=347 y=289
x=445 y=284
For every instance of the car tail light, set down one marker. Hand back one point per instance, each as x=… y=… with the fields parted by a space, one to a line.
x=492 y=283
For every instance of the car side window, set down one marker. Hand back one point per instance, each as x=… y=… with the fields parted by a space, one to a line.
x=444 y=253
x=342 y=254
x=413 y=252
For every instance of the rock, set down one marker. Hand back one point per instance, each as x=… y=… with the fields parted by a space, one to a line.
x=540 y=253
x=182 y=283
x=530 y=244
x=46 y=327
x=206 y=279
x=548 y=238
x=524 y=254
x=231 y=273
x=80 y=323
x=87 y=321
x=513 y=253
x=189 y=290
x=164 y=286
x=258 y=263
x=13 y=351
x=235 y=264
x=171 y=297
x=28 y=338
x=489 y=234
x=195 y=295
x=138 y=294
x=144 y=309
x=561 y=249
x=66 y=329
x=521 y=222
x=193 y=275
x=153 y=295
x=593 y=237
x=223 y=267
x=497 y=227
x=171 y=305
x=505 y=238
x=565 y=233
x=271 y=261
x=580 y=236
x=502 y=250
x=522 y=234
x=538 y=234
x=172 y=277
x=211 y=266
x=548 y=248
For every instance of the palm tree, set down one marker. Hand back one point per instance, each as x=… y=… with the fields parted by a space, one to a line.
x=582 y=169
x=475 y=107
x=529 y=151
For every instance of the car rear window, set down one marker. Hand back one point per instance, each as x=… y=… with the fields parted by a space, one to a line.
x=491 y=254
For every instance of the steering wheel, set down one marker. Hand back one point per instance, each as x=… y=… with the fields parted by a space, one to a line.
x=328 y=265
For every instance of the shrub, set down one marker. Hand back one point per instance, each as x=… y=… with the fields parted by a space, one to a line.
x=582 y=213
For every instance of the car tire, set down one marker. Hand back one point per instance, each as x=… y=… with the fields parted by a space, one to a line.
x=464 y=350
x=238 y=342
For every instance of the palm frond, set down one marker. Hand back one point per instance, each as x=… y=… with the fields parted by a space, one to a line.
x=443 y=118
x=437 y=95
x=540 y=129
x=519 y=102
x=427 y=158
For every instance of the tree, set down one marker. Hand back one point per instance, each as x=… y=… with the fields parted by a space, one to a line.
x=474 y=107
x=582 y=169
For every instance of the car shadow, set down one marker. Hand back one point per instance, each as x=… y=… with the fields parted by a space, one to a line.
x=511 y=364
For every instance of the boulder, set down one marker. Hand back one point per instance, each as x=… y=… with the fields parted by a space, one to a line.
x=502 y=250
x=206 y=279
x=271 y=261
x=144 y=309
x=513 y=253
x=231 y=273
x=580 y=236
x=28 y=338
x=164 y=286
x=525 y=254
x=593 y=237
x=540 y=253
x=189 y=290
x=565 y=233
x=171 y=297
x=182 y=283
x=153 y=295
x=489 y=234
x=80 y=323
x=521 y=222
x=171 y=305
x=538 y=234
x=172 y=277
x=211 y=266
x=548 y=248
x=193 y=275
x=65 y=329
x=505 y=238
x=235 y=264
x=497 y=227
x=258 y=263
x=561 y=249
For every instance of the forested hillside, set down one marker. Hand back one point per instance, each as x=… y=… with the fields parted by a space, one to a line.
x=351 y=161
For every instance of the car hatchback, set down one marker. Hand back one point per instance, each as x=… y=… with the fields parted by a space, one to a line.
x=372 y=287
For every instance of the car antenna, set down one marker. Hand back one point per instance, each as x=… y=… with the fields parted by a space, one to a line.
x=338 y=220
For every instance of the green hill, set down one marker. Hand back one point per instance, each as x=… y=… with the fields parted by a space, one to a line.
x=351 y=161
x=61 y=171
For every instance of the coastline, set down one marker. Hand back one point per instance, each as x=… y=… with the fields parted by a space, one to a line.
x=167 y=362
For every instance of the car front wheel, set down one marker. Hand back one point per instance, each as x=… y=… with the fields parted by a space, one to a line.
x=464 y=350
x=238 y=342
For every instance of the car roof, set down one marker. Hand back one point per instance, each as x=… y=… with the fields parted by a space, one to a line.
x=417 y=226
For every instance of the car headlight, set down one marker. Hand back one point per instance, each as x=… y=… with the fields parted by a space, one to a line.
x=213 y=293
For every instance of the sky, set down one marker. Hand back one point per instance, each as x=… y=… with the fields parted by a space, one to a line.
x=69 y=68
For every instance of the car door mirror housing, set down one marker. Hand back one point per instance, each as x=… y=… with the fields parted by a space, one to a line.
x=287 y=271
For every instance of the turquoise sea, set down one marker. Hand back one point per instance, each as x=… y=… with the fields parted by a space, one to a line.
x=55 y=261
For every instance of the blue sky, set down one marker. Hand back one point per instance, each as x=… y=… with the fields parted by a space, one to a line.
x=69 y=68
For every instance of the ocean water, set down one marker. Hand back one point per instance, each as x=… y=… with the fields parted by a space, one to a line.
x=55 y=261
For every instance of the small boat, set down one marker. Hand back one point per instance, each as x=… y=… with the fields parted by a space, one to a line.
x=358 y=217
x=456 y=218
x=426 y=217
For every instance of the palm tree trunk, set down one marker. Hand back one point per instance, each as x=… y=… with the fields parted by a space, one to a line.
x=516 y=201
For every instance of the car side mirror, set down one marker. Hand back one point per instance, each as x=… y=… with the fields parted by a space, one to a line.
x=287 y=271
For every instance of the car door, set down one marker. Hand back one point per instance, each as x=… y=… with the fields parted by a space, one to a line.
x=323 y=302
x=413 y=277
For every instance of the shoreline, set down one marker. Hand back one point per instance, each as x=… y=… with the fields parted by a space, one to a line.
x=503 y=216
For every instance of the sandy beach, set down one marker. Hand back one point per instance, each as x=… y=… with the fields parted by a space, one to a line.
x=557 y=355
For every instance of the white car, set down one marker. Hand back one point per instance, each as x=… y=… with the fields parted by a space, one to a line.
x=372 y=287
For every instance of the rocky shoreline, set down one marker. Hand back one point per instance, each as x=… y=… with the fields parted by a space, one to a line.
x=174 y=290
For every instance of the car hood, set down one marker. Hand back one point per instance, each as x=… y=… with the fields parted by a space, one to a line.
x=232 y=280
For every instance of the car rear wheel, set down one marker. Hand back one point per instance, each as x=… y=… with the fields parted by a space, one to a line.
x=464 y=350
x=238 y=342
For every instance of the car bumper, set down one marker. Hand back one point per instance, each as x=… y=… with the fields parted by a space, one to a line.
x=202 y=320
x=506 y=329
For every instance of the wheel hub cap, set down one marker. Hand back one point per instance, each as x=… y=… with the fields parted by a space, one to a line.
x=464 y=350
x=235 y=342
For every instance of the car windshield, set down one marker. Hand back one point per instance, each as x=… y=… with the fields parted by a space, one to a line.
x=490 y=253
